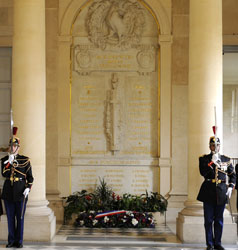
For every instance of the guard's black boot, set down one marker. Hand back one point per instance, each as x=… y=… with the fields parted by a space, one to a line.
x=19 y=245
x=219 y=247
x=9 y=245
x=210 y=248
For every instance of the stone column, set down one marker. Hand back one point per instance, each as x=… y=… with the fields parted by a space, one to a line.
x=205 y=92
x=165 y=42
x=64 y=116
x=29 y=110
x=52 y=61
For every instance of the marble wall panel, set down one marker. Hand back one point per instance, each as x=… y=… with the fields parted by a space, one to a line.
x=120 y=119
x=230 y=17
x=180 y=47
x=122 y=179
x=114 y=94
x=181 y=25
x=179 y=139
x=180 y=61
x=230 y=120
x=180 y=7
x=88 y=97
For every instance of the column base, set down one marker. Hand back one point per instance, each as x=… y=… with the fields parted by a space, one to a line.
x=175 y=205
x=56 y=204
x=165 y=175
x=190 y=228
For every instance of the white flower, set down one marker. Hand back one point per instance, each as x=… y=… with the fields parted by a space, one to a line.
x=123 y=220
x=91 y=212
x=95 y=222
x=134 y=221
x=81 y=222
x=132 y=215
x=106 y=219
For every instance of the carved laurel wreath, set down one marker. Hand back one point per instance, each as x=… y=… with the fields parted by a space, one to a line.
x=116 y=22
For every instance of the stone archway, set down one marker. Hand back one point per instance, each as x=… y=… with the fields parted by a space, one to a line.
x=69 y=17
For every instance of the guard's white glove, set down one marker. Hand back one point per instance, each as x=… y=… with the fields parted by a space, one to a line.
x=10 y=159
x=229 y=192
x=26 y=192
x=215 y=159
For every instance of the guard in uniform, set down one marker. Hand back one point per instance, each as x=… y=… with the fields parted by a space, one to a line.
x=16 y=169
x=216 y=189
x=1 y=210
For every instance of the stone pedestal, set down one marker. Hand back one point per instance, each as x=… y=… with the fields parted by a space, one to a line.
x=190 y=229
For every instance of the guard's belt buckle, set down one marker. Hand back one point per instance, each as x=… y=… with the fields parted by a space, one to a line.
x=217 y=182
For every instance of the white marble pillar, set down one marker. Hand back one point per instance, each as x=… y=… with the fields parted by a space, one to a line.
x=205 y=93
x=29 y=110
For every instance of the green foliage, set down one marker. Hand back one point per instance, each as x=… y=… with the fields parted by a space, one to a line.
x=103 y=199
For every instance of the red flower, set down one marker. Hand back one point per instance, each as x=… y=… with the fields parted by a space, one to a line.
x=88 y=197
x=113 y=196
x=118 y=197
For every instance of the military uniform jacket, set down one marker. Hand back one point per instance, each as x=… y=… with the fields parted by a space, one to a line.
x=18 y=176
x=213 y=190
x=236 y=169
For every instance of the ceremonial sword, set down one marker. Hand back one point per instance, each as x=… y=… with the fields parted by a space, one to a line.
x=216 y=171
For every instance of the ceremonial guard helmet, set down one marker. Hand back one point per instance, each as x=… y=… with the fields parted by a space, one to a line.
x=214 y=140
x=14 y=140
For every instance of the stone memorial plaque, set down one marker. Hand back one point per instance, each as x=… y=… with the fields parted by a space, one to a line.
x=114 y=90
x=122 y=179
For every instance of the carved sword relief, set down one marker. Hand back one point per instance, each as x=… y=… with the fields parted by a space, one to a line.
x=113 y=116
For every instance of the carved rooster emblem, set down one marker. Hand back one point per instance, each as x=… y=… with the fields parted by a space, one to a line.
x=115 y=22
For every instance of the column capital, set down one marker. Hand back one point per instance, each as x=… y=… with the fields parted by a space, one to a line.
x=165 y=39
x=165 y=162
x=64 y=38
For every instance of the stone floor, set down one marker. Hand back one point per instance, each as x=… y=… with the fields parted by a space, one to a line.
x=68 y=237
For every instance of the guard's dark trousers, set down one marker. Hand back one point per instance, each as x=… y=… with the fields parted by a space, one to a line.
x=15 y=222
x=214 y=213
